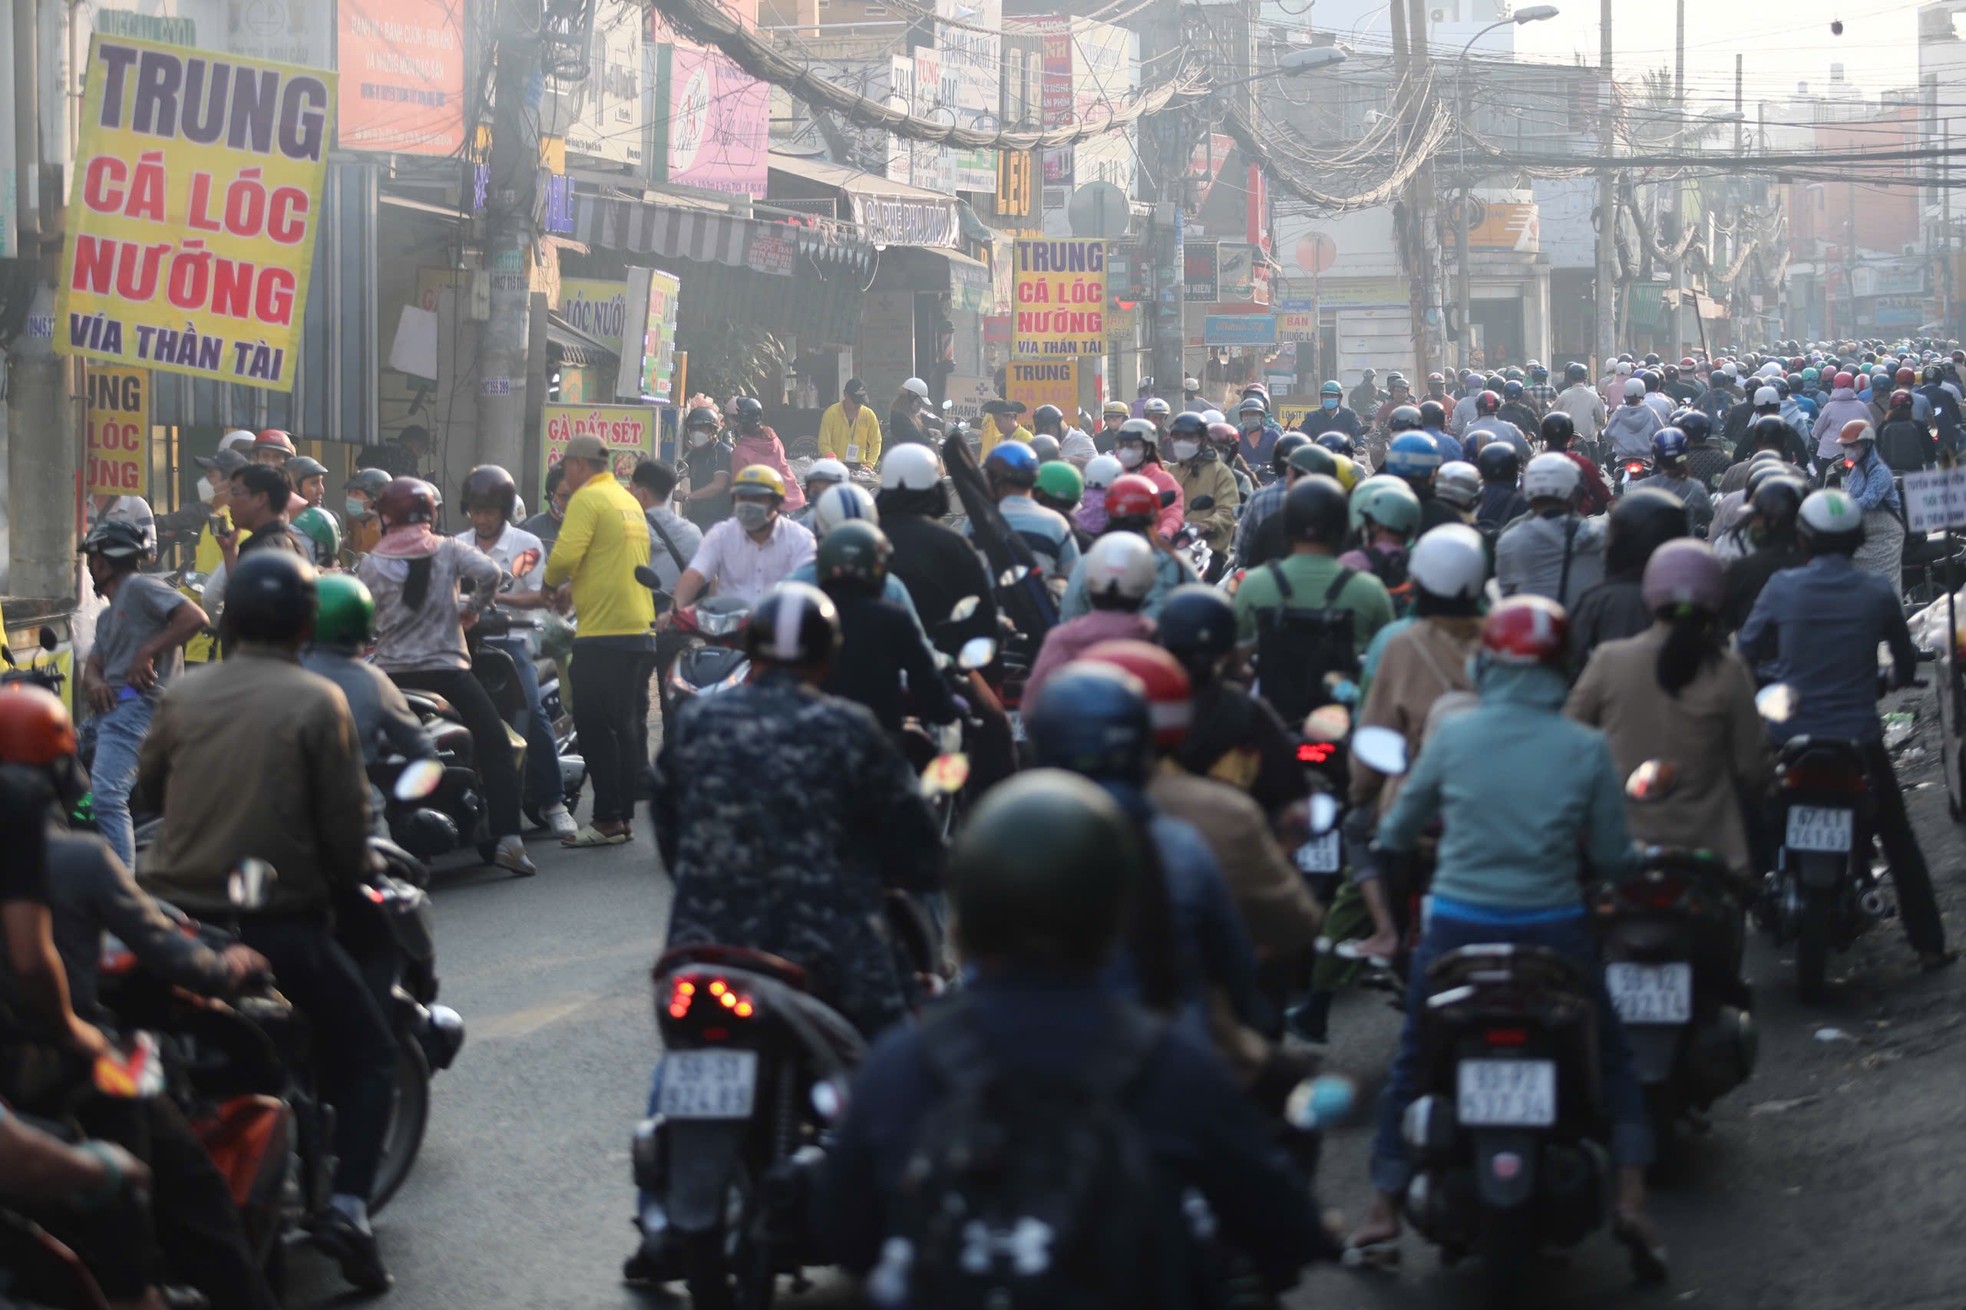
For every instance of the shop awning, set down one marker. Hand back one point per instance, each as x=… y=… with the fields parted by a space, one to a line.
x=888 y=213
x=915 y=268
x=643 y=226
x=575 y=348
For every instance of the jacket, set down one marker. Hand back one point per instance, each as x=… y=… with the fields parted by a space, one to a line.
x=938 y=568
x=1072 y=638
x=1420 y=664
x=763 y=447
x=1710 y=732
x=1906 y=445
x=1843 y=406
x=1745 y=577
x=1609 y=611
x=432 y=635
x=1500 y=505
x=603 y=540
x=857 y=442
x=90 y=893
x=1171 y=516
x=254 y=757
x=880 y=645
x=1494 y=850
x=382 y=716
x=1691 y=493
x=1207 y=475
x=1529 y=556
x=1817 y=628
x=1585 y=408
x=1629 y=429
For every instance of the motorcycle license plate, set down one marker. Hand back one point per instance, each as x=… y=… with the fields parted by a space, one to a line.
x=708 y=1084
x=1016 y=725
x=1651 y=993
x=1819 y=828
x=1505 y=1093
x=1320 y=854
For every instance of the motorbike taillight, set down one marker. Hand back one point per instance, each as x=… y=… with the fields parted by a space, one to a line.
x=1315 y=752
x=688 y=990
x=1507 y=1036
x=1812 y=777
x=1655 y=891
x=1634 y=468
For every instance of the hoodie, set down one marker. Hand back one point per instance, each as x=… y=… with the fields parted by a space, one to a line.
x=1630 y=429
x=1842 y=407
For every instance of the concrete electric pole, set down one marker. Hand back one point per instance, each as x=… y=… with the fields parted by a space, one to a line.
x=511 y=233
x=1605 y=341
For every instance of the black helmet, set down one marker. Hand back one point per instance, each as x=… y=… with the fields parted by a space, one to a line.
x=1574 y=373
x=1770 y=432
x=1643 y=521
x=1499 y=462
x=1188 y=424
x=1338 y=443
x=1406 y=418
x=749 y=409
x=702 y=417
x=1696 y=424
x=1433 y=415
x=1488 y=401
x=1280 y=453
x=1043 y=871
x=853 y=557
x=269 y=596
x=1196 y=625
x=117 y=540
x=1092 y=719
x=491 y=486
x=1046 y=416
x=1317 y=509
x=1558 y=429
x=1777 y=500
x=793 y=624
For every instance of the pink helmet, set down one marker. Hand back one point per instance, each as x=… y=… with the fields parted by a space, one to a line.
x=1842 y=380
x=1680 y=573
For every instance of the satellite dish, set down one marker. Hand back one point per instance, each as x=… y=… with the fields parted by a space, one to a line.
x=1099 y=210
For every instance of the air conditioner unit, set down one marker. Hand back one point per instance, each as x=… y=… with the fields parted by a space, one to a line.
x=1439 y=16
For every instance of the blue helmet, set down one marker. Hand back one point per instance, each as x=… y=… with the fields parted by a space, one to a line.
x=1092 y=720
x=1014 y=459
x=1669 y=445
x=1412 y=455
x=1331 y=389
x=1337 y=443
x=1512 y=390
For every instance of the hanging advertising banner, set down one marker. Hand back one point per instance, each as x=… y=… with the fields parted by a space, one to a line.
x=1055 y=382
x=1235 y=275
x=601 y=115
x=628 y=431
x=1060 y=288
x=716 y=129
x=192 y=220
x=1202 y=260
x=403 y=61
x=973 y=62
x=648 y=338
x=282 y=31
x=1017 y=193
x=595 y=307
x=118 y=460
x=1239 y=330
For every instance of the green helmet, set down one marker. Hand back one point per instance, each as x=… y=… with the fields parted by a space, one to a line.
x=344 y=612
x=1314 y=458
x=853 y=556
x=1388 y=502
x=319 y=527
x=1061 y=481
x=1043 y=871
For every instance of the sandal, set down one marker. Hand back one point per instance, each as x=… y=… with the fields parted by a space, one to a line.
x=1380 y=1253
x=592 y=836
x=1648 y=1255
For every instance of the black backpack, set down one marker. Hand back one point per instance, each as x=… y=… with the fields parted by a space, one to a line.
x=1298 y=649
x=1028 y=1189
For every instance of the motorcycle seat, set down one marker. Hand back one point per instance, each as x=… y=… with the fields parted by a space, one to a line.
x=1504 y=963
x=429 y=702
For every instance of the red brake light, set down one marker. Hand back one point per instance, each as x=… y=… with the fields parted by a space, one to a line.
x=1314 y=752
x=1653 y=892
x=1508 y=1036
x=685 y=988
x=1824 y=778
x=1636 y=466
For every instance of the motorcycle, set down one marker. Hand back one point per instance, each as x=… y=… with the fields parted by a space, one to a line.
x=1631 y=470
x=713 y=659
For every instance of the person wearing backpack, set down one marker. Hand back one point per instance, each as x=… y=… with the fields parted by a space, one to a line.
x=1307 y=617
x=1031 y=1142
x=1551 y=552
x=1385 y=519
x=1905 y=442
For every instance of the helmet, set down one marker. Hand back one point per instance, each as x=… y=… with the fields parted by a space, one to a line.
x=1317 y=509
x=853 y=556
x=1550 y=476
x=1092 y=719
x=1645 y=519
x=1558 y=429
x=1669 y=445
x=1331 y=389
x=1695 y=424
x=1044 y=870
x=1498 y=461
x=35 y=729
x=1493 y=382
x=115 y=539
x=910 y=467
x=1115 y=409
x=1412 y=455
x=1683 y=574
x=1188 y=424
x=1060 y=481
x=1170 y=696
x=1574 y=373
x=1526 y=630
x=1458 y=483
x=1671 y=372
x=1406 y=418
x=1046 y=448
x=1316 y=458
x=749 y=409
x=1770 y=430
x=703 y=417
x=1633 y=389
x=793 y=623
x=1140 y=429
x=1843 y=380
x=1280 y=453
x=1777 y=500
x=825 y=470
x=1433 y=415
x=1101 y=471
x=319 y=527
x=1346 y=470
x=1223 y=434
x=1155 y=405
x=1812 y=375
x=1337 y=443
x=1196 y=625
x=1487 y=403
x=1830 y=519
x=1120 y=566
x=842 y=504
x=1900 y=399
x=274 y=439
x=757 y=480
x=305 y=466
x=1650 y=378
x=369 y=482
x=1047 y=416
x=1512 y=390
x=1131 y=496
x=1767 y=397
x=269 y=596
x=492 y=487
x=1386 y=502
x=344 y=611
x=403 y=500
x=1904 y=377
x=1253 y=405
x=1450 y=562
x=1855 y=430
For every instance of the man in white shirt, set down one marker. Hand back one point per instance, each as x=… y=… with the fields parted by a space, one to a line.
x=1579 y=399
x=749 y=553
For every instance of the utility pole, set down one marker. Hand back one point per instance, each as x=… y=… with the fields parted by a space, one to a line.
x=1427 y=342
x=1414 y=246
x=1677 y=230
x=1607 y=211
x=1170 y=220
x=511 y=206
x=1464 y=296
x=1945 y=224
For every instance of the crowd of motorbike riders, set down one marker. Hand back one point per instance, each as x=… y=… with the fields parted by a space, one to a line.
x=1161 y=648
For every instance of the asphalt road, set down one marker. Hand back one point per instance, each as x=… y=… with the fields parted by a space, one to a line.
x=1830 y=1180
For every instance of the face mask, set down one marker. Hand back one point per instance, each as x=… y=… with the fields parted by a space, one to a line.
x=205 y=490
x=1328 y=402
x=699 y=438
x=1130 y=457
x=1252 y=422
x=354 y=508
x=752 y=515
x=1186 y=450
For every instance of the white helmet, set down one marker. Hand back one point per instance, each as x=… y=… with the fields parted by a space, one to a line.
x=917 y=386
x=1624 y=368
x=1457 y=483
x=1155 y=405
x=1100 y=471
x=1633 y=388
x=1120 y=564
x=237 y=439
x=838 y=504
x=826 y=470
x=1551 y=475
x=1830 y=513
x=1450 y=562
x=1767 y=396
x=1214 y=416
x=1140 y=429
x=910 y=467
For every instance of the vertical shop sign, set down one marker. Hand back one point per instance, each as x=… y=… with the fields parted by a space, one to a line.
x=118 y=461
x=1060 y=288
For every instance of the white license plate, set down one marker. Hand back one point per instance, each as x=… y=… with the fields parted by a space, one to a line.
x=1506 y=1093
x=1651 y=993
x=708 y=1084
x=1017 y=725
x=1818 y=828
x=1320 y=854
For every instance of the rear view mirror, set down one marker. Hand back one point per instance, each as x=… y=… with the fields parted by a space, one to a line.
x=1380 y=749
x=976 y=653
x=1167 y=499
x=250 y=884
x=963 y=608
x=48 y=639
x=647 y=577
x=1653 y=780
x=1776 y=702
x=1202 y=503
x=418 y=779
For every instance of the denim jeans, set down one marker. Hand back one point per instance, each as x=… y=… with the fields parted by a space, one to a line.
x=119 y=736
x=543 y=790
x=1624 y=1096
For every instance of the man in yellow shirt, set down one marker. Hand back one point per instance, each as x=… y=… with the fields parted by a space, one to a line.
x=1000 y=423
x=848 y=431
x=602 y=541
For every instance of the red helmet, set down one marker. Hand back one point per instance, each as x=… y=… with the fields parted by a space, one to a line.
x=1900 y=399
x=1488 y=402
x=34 y=726
x=1526 y=630
x=1689 y=362
x=276 y=439
x=1132 y=496
x=1842 y=380
x=1904 y=377
x=406 y=500
x=1223 y=434
x=1170 y=705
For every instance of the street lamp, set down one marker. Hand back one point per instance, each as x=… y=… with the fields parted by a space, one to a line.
x=1317 y=56
x=1527 y=14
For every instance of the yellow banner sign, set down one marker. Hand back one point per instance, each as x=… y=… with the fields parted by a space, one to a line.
x=628 y=431
x=1061 y=299
x=119 y=433
x=1053 y=383
x=195 y=206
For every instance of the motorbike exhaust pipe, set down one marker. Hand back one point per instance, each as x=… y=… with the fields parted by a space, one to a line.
x=1875 y=904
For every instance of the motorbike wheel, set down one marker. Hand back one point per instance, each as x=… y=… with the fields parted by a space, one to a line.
x=731 y=1268
x=1812 y=934
x=409 y=1115
x=1507 y=1247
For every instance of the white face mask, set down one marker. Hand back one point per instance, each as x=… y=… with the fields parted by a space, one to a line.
x=1186 y=450
x=205 y=490
x=700 y=437
x=752 y=514
x=1130 y=456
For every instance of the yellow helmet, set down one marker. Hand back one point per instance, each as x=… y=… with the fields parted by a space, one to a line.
x=1347 y=473
x=1117 y=409
x=755 y=478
